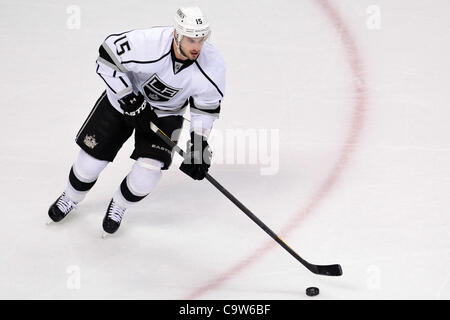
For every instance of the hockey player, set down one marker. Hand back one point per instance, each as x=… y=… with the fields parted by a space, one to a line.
x=151 y=76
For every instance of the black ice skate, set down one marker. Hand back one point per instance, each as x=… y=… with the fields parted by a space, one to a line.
x=113 y=217
x=61 y=207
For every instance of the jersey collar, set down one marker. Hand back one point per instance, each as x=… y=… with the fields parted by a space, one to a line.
x=177 y=64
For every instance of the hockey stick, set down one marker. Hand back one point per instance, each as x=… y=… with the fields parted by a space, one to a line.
x=326 y=270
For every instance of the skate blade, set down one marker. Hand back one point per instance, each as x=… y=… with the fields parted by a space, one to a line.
x=50 y=222
x=105 y=235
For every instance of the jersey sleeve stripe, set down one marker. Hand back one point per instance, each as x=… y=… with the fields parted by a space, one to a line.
x=215 y=111
x=106 y=82
x=123 y=81
x=204 y=107
x=212 y=110
x=104 y=55
x=107 y=57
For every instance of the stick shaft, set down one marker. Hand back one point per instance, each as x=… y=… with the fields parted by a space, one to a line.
x=325 y=270
x=255 y=219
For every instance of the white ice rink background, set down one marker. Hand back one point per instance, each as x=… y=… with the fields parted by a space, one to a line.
x=348 y=100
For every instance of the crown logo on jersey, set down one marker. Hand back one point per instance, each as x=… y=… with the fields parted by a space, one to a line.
x=153 y=96
x=90 y=141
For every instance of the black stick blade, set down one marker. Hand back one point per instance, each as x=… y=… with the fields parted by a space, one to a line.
x=333 y=270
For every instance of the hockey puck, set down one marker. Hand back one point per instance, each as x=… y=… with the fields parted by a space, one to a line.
x=312 y=291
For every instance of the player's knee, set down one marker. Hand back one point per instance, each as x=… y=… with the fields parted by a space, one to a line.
x=87 y=168
x=84 y=172
x=144 y=175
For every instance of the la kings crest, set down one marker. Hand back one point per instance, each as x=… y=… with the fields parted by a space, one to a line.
x=156 y=90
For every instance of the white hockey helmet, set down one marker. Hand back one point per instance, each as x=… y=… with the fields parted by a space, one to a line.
x=191 y=22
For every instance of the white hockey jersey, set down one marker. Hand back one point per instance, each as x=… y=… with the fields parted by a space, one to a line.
x=144 y=61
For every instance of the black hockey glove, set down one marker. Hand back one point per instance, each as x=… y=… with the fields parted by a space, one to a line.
x=197 y=159
x=138 y=112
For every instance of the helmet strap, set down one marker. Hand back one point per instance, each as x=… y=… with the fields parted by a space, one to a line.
x=178 y=39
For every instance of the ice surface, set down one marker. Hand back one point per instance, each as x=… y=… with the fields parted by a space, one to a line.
x=363 y=178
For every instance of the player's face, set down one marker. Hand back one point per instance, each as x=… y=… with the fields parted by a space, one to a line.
x=191 y=46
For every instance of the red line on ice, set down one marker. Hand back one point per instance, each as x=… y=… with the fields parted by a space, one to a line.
x=360 y=102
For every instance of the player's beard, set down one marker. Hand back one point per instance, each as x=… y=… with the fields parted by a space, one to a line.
x=186 y=56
